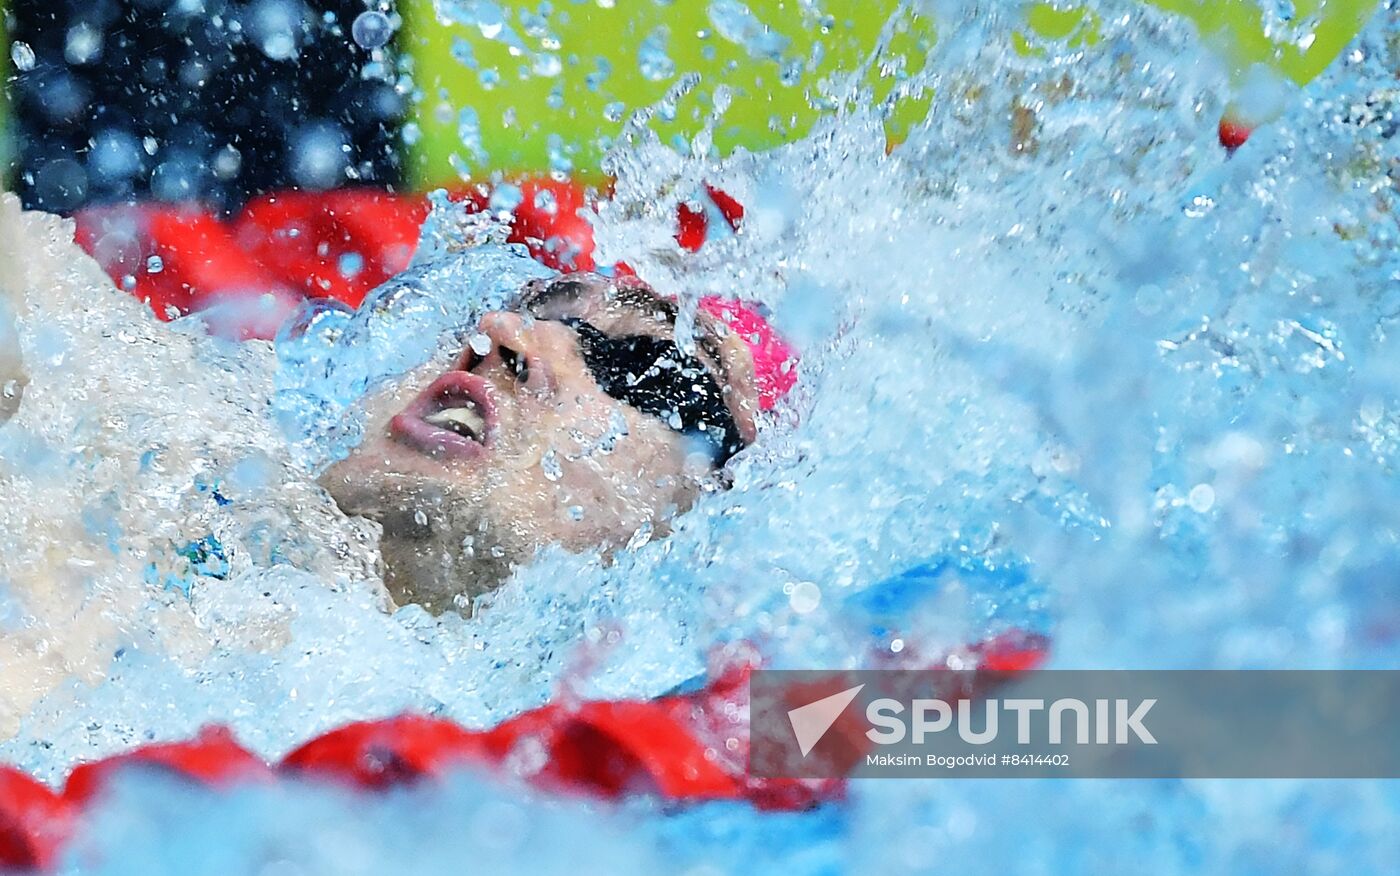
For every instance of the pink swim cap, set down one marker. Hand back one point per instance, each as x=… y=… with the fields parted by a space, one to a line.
x=774 y=361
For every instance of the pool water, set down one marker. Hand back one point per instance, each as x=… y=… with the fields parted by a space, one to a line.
x=1057 y=330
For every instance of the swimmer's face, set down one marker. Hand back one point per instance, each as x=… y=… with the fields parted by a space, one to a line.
x=576 y=421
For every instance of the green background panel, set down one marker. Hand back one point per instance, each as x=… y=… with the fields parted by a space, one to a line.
x=602 y=77
x=517 y=109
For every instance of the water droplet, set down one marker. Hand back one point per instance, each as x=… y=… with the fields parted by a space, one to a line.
x=462 y=53
x=420 y=518
x=227 y=162
x=83 y=45
x=22 y=56
x=372 y=29
x=274 y=24
x=736 y=22
x=559 y=160
x=547 y=65
x=575 y=513
x=506 y=197
x=641 y=536
x=595 y=80
x=549 y=463
x=279 y=46
x=350 y=264
x=722 y=100
x=545 y=202
x=319 y=159
x=1201 y=498
x=655 y=64
x=1149 y=299
x=617 y=429
x=805 y=597
x=1199 y=206
x=469 y=133
x=115 y=156
x=1372 y=409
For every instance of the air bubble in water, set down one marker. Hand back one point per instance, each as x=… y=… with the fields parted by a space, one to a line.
x=372 y=29
x=480 y=344
x=155 y=264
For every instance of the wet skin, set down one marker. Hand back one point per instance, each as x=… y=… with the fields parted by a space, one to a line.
x=472 y=469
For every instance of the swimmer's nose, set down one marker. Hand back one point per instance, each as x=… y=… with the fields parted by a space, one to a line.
x=512 y=350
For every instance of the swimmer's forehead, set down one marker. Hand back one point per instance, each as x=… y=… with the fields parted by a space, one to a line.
x=622 y=307
x=580 y=295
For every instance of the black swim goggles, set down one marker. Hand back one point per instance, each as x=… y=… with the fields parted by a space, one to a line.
x=654 y=376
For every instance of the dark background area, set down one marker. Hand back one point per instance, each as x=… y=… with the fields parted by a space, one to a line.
x=207 y=100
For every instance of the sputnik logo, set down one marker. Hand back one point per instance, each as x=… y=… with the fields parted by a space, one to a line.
x=810 y=722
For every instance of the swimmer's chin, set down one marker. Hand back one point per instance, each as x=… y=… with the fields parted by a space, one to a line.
x=428 y=572
x=426 y=557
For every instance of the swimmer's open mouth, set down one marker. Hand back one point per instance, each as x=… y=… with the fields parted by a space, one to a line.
x=455 y=417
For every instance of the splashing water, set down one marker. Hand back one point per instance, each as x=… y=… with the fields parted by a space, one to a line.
x=1056 y=329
